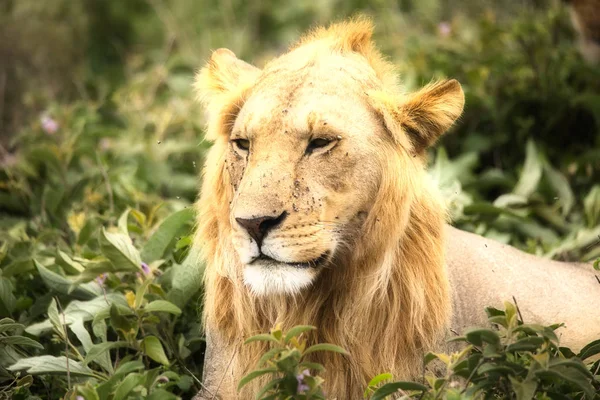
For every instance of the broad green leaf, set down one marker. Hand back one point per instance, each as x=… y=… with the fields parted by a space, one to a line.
x=391 y=388
x=531 y=174
x=128 y=367
x=140 y=293
x=263 y=337
x=127 y=385
x=572 y=375
x=117 y=247
x=161 y=394
x=122 y=223
x=162 y=306
x=7 y=297
x=50 y=365
x=524 y=390
x=84 y=310
x=380 y=378
x=186 y=279
x=20 y=341
x=478 y=336
x=55 y=319
x=270 y=385
x=100 y=352
x=325 y=347
x=70 y=266
x=86 y=341
x=255 y=374
x=158 y=243
x=268 y=355
x=561 y=187
x=591 y=205
x=531 y=343
x=62 y=285
x=296 y=331
x=153 y=348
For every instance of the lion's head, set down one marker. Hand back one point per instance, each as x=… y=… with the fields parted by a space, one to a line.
x=315 y=193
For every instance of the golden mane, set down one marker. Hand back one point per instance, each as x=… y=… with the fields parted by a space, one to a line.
x=386 y=303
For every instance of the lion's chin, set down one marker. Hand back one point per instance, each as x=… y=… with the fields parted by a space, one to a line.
x=269 y=279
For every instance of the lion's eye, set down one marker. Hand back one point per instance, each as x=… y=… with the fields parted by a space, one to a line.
x=318 y=143
x=241 y=144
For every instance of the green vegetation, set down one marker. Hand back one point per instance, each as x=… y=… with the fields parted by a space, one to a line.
x=101 y=148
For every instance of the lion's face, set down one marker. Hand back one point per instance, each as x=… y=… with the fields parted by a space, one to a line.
x=305 y=170
x=308 y=143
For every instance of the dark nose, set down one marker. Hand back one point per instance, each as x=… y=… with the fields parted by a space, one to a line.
x=259 y=227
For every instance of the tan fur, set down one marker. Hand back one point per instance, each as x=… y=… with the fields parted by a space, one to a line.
x=384 y=295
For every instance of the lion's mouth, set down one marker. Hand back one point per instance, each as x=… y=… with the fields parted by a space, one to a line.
x=267 y=261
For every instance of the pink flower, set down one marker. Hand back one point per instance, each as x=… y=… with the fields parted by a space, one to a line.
x=444 y=29
x=49 y=125
x=101 y=279
x=302 y=386
x=146 y=269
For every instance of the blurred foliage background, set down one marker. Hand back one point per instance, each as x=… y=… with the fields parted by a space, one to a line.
x=100 y=135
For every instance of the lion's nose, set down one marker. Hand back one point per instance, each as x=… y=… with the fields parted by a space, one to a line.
x=259 y=227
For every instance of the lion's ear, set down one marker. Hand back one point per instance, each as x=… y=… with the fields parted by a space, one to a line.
x=223 y=76
x=423 y=116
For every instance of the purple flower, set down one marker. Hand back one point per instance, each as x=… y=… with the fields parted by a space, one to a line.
x=302 y=386
x=162 y=379
x=49 y=125
x=79 y=398
x=100 y=279
x=444 y=29
x=146 y=269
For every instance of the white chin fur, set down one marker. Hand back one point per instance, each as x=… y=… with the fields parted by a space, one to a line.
x=277 y=280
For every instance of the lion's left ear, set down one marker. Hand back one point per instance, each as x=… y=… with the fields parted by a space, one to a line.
x=223 y=76
x=423 y=116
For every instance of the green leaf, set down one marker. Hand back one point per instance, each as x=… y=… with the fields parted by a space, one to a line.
x=269 y=355
x=270 y=385
x=325 y=347
x=311 y=365
x=129 y=367
x=84 y=310
x=297 y=330
x=159 y=242
x=50 y=365
x=7 y=297
x=122 y=223
x=380 y=378
x=161 y=394
x=186 y=279
x=478 y=336
x=55 y=320
x=524 y=390
x=263 y=337
x=572 y=375
x=589 y=350
x=531 y=343
x=391 y=388
x=162 y=306
x=531 y=174
x=117 y=247
x=67 y=263
x=253 y=375
x=98 y=350
x=591 y=205
x=153 y=348
x=20 y=341
x=561 y=187
x=62 y=285
x=129 y=383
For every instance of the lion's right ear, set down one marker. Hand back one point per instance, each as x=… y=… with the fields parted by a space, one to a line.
x=223 y=77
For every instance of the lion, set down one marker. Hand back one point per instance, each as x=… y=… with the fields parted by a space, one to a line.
x=316 y=208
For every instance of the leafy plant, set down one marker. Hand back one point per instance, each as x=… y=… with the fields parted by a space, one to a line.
x=292 y=376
